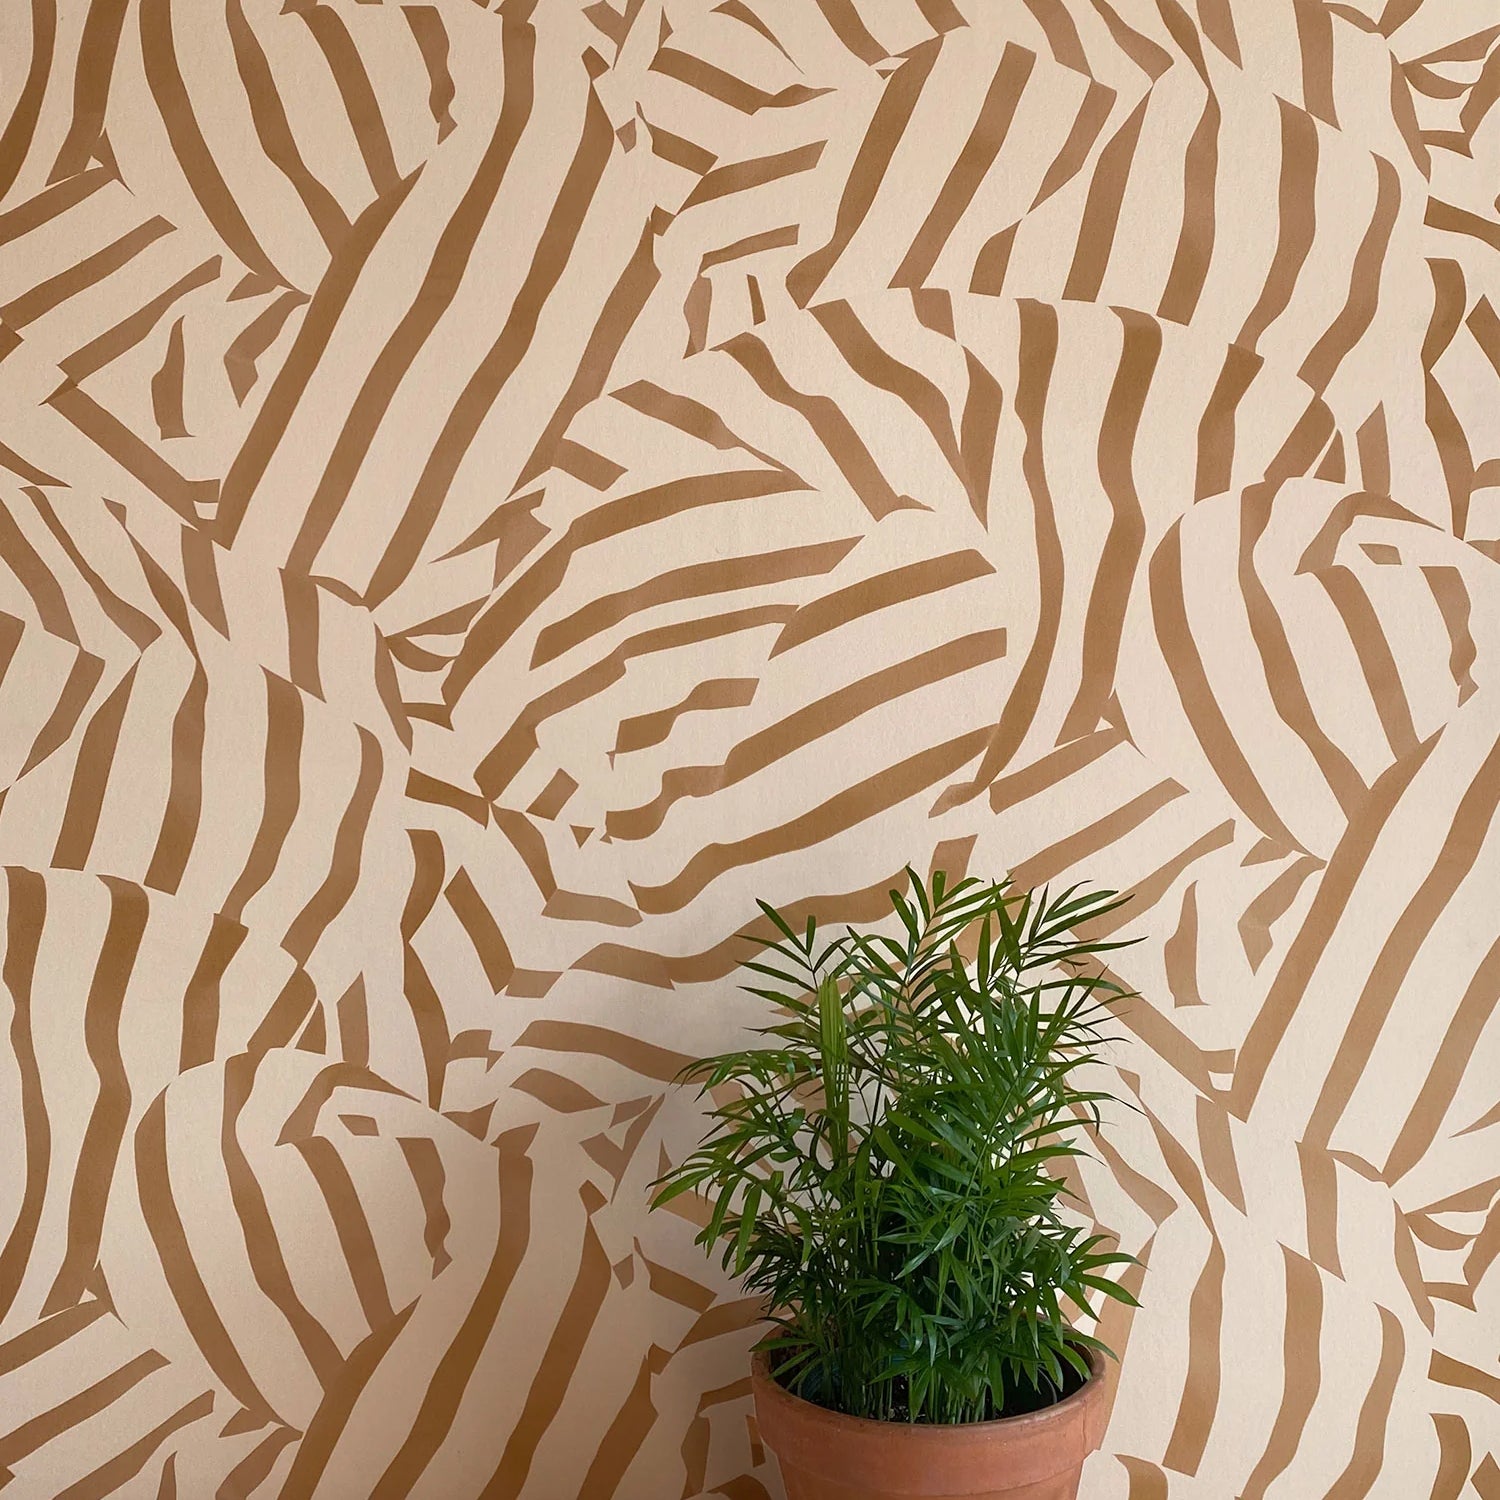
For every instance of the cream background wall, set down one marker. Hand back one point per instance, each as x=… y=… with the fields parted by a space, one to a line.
x=491 y=490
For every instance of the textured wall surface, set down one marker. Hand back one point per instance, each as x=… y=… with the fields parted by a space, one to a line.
x=490 y=490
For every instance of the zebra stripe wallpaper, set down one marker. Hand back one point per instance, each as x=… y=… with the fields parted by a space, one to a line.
x=491 y=489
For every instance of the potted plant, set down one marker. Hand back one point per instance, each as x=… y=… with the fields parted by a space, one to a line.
x=880 y=1169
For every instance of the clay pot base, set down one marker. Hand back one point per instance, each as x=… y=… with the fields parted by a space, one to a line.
x=825 y=1455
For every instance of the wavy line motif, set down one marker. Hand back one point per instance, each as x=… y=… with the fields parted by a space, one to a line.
x=489 y=489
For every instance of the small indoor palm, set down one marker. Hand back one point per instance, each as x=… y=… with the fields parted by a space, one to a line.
x=882 y=1167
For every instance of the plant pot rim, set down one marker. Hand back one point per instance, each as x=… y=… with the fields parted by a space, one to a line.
x=768 y=1388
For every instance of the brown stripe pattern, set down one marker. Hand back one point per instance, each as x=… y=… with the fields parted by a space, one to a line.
x=488 y=489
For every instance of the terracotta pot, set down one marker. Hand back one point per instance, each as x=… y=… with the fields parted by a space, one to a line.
x=825 y=1455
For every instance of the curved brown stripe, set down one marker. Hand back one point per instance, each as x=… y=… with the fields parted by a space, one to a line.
x=254 y=339
x=560 y=235
x=1484 y=324
x=1377 y=662
x=1358 y=311
x=104 y=1135
x=291 y=1009
x=504 y=762
x=1452 y=596
x=741 y=176
x=864 y=800
x=695 y=581
x=20 y=129
x=1302 y=1329
x=1037 y=354
x=166 y=388
x=699 y=74
x=300 y=604
x=445 y=1390
x=1283 y=676
x=844 y=20
x=164 y=1225
x=91 y=778
x=975 y=160
x=1408 y=1264
x=1062 y=35
x=1119 y=560
x=450 y=259
x=1101 y=210
x=274 y=131
x=1195 y=240
x=1337 y=884
x=52 y=292
x=887 y=126
x=642 y=731
x=343 y=865
x=1296 y=221
x=425 y=1163
x=121 y=1469
x=979 y=427
x=478 y=921
x=332 y=1416
x=806 y=725
x=1455 y=1456
x=200 y=1000
x=52 y=202
x=526 y=839
x=1195 y=692
x=77 y=690
x=1216 y=428
x=25 y=916
x=128 y=332
x=992 y=262
x=856 y=601
x=1461 y=847
x=1199 y=1406
x=135 y=625
x=1358 y=1478
x=520 y=600
x=353 y=84
x=91 y=80
x=627 y=1433
x=1272 y=903
x=282 y=794
x=354 y=1023
x=742 y=12
x=1151 y=59
x=352 y=1227
x=325 y=308
x=164 y=78
x=428 y=1018
x=36 y=578
x=878 y=367
x=179 y=826
x=78 y=1408
x=431 y=37
x=830 y=426
x=126 y=448
x=1047 y=863
x=13 y=461
x=258 y=1229
x=575 y=1320
x=255 y=1467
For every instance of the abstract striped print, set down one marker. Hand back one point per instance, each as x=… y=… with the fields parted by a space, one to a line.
x=489 y=489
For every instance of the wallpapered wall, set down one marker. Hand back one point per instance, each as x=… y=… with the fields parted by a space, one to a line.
x=490 y=490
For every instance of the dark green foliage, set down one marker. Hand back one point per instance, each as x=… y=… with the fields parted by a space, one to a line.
x=881 y=1170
